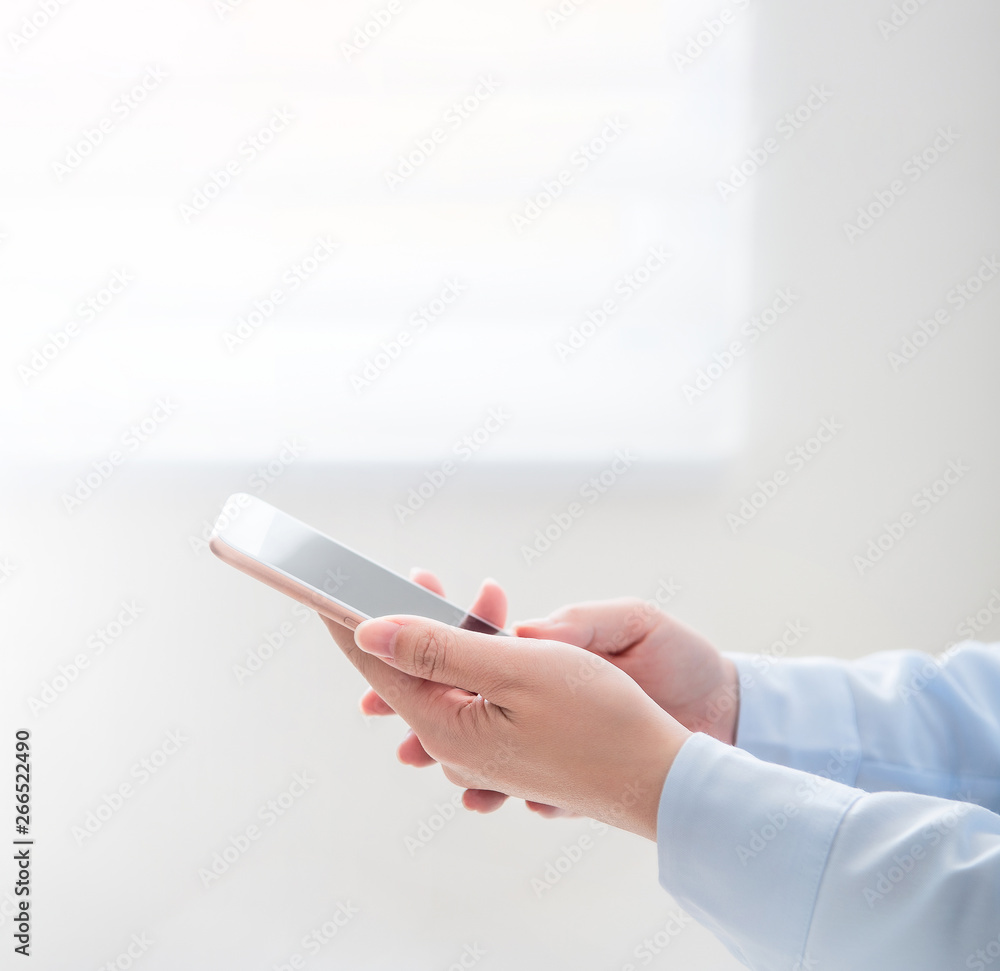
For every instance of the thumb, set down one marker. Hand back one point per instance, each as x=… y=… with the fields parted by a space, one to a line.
x=604 y=627
x=485 y=664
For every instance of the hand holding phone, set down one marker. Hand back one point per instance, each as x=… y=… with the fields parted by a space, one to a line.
x=345 y=588
x=490 y=604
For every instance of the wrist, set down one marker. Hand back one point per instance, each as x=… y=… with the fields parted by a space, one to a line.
x=635 y=807
x=720 y=708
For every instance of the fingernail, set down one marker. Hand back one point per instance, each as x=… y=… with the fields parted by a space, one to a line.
x=546 y=627
x=377 y=636
x=538 y=624
x=556 y=630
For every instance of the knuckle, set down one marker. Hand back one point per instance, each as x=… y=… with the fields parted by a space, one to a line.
x=639 y=614
x=572 y=612
x=635 y=605
x=456 y=776
x=429 y=651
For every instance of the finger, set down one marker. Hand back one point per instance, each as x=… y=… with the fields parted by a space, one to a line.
x=372 y=704
x=547 y=811
x=342 y=635
x=491 y=603
x=483 y=800
x=389 y=683
x=427 y=579
x=486 y=664
x=604 y=627
x=412 y=752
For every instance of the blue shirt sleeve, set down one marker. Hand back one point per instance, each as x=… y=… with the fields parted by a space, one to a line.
x=897 y=720
x=796 y=872
x=822 y=841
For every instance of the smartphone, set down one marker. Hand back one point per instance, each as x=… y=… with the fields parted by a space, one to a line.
x=332 y=579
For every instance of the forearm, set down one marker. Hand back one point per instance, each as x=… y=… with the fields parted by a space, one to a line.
x=793 y=871
x=898 y=720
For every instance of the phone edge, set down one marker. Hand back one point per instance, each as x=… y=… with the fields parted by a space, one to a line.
x=323 y=604
x=285 y=584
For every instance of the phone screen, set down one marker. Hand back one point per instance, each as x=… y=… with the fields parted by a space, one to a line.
x=273 y=537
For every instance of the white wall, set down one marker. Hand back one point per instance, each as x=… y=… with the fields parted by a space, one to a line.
x=471 y=885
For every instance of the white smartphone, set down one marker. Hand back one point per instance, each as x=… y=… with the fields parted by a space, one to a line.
x=332 y=579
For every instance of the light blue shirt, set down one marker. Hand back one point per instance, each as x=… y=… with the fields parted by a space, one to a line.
x=855 y=824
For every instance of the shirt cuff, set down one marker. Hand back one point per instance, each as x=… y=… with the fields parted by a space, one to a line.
x=743 y=845
x=798 y=712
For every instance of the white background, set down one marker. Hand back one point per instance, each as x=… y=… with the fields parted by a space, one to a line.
x=344 y=840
